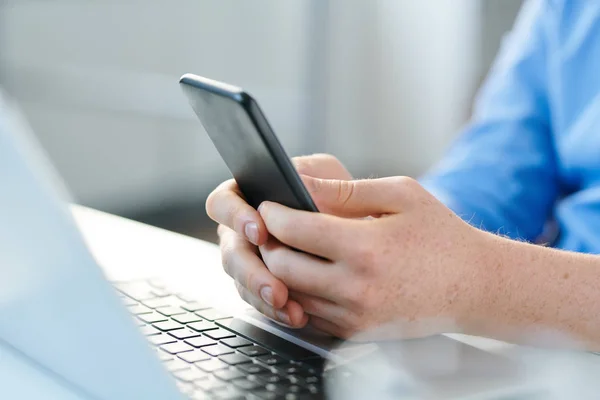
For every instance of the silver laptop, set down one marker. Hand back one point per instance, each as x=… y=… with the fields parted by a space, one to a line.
x=68 y=333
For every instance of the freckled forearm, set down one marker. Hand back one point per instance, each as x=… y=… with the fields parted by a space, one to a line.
x=531 y=293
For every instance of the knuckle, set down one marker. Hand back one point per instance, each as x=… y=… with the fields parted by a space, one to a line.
x=233 y=216
x=365 y=258
x=359 y=297
x=407 y=181
x=274 y=261
x=405 y=185
x=249 y=282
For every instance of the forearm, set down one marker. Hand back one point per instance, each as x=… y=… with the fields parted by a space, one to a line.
x=531 y=293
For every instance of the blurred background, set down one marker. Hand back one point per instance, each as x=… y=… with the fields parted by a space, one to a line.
x=383 y=85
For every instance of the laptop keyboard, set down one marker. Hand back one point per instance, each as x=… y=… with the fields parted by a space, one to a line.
x=215 y=356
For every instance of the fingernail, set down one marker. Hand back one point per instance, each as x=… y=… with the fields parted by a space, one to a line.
x=262 y=206
x=251 y=231
x=283 y=317
x=266 y=293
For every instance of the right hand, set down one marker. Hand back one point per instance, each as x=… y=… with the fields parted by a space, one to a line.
x=241 y=230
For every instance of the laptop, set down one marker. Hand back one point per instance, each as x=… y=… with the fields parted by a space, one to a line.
x=66 y=332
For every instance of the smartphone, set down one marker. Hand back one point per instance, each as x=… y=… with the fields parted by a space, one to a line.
x=246 y=142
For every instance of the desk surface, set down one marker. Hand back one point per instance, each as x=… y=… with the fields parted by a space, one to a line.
x=127 y=249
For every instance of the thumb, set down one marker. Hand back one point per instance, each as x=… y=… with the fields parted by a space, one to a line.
x=360 y=198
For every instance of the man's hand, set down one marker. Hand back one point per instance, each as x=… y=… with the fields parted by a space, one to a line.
x=242 y=229
x=412 y=267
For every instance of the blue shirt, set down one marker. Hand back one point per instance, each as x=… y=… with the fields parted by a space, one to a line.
x=531 y=153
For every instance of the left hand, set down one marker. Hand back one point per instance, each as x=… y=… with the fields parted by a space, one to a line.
x=413 y=270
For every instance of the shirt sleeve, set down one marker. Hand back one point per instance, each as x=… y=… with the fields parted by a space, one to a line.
x=500 y=175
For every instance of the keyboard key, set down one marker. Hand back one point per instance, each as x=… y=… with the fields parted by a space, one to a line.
x=295 y=380
x=217 y=350
x=267 y=339
x=185 y=387
x=152 y=318
x=184 y=333
x=194 y=306
x=170 y=310
x=273 y=378
x=163 y=302
x=176 y=348
x=236 y=342
x=235 y=359
x=254 y=369
x=210 y=384
x=228 y=393
x=160 y=292
x=275 y=387
x=219 y=334
x=211 y=314
x=162 y=356
x=176 y=365
x=266 y=394
x=186 y=318
x=194 y=356
x=202 y=326
x=292 y=369
x=189 y=375
x=229 y=374
x=128 y=301
x=149 y=330
x=245 y=384
x=314 y=380
x=314 y=389
x=201 y=341
x=211 y=365
x=254 y=351
x=295 y=389
x=200 y=395
x=156 y=283
x=186 y=297
x=138 y=309
x=167 y=326
x=159 y=340
x=136 y=290
x=272 y=359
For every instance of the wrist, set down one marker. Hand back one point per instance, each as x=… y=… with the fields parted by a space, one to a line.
x=483 y=279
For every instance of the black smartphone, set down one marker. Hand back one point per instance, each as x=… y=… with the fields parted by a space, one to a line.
x=246 y=142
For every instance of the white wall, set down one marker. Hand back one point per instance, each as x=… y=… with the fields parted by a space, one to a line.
x=98 y=82
x=383 y=84
x=401 y=78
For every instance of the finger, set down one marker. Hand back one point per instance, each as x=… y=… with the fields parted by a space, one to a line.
x=361 y=198
x=227 y=206
x=324 y=309
x=291 y=314
x=316 y=233
x=300 y=271
x=328 y=327
x=242 y=262
x=324 y=207
x=323 y=166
